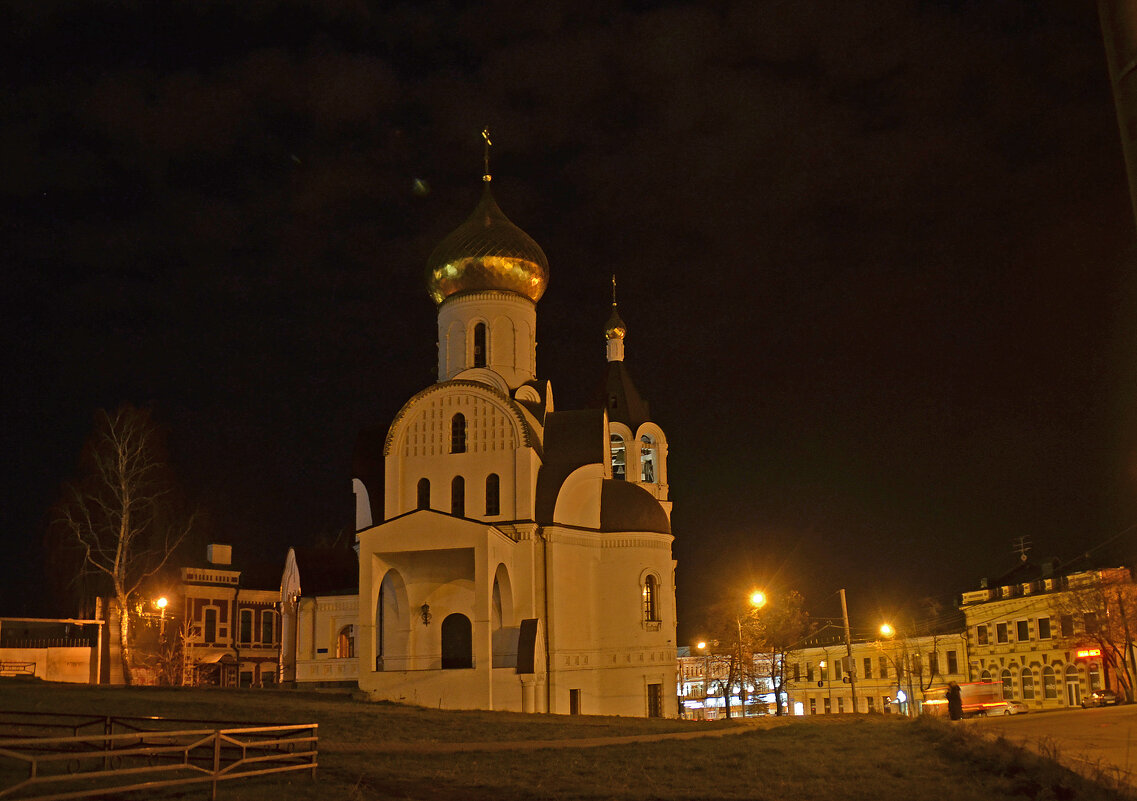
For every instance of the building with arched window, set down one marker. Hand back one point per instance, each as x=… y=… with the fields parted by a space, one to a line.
x=547 y=583
x=1039 y=631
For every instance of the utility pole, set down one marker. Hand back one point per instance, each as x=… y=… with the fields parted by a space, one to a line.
x=849 y=651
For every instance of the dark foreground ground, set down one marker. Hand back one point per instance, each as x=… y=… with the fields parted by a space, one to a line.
x=382 y=751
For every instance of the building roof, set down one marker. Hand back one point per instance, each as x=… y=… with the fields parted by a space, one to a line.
x=625 y=506
x=618 y=394
x=572 y=440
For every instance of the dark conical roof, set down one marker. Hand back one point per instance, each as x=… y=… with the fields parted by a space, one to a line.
x=618 y=394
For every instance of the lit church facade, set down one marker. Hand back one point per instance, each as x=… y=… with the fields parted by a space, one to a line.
x=520 y=557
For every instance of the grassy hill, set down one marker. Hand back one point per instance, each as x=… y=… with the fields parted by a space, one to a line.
x=388 y=751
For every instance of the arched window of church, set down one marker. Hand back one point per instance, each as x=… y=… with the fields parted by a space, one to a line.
x=651 y=599
x=619 y=458
x=458 y=433
x=457 y=643
x=458 y=496
x=424 y=493
x=493 y=494
x=647 y=459
x=480 y=345
x=345 y=643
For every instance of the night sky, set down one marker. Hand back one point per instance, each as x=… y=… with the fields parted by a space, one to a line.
x=876 y=262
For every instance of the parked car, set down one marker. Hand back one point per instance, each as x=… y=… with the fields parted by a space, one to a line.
x=1016 y=708
x=1100 y=698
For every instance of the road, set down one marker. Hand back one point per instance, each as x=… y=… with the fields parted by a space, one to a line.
x=1083 y=739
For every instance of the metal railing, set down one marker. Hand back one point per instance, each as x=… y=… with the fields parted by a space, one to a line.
x=17 y=668
x=145 y=757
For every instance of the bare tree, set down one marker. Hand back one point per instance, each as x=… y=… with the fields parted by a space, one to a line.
x=776 y=631
x=120 y=511
x=1104 y=603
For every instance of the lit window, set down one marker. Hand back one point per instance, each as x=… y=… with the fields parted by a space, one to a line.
x=458 y=433
x=345 y=643
x=1095 y=676
x=650 y=599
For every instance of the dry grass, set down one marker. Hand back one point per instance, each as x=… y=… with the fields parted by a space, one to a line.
x=815 y=759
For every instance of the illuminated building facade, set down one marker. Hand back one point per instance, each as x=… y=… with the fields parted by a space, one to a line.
x=513 y=555
x=1034 y=629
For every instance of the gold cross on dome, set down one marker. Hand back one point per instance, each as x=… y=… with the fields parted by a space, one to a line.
x=486 y=136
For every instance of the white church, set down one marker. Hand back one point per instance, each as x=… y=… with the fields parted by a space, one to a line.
x=512 y=556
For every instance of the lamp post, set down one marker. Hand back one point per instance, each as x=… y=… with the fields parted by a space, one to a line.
x=757 y=600
x=888 y=631
x=161 y=603
x=849 y=652
x=702 y=646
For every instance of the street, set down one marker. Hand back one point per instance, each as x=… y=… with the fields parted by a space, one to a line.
x=1083 y=739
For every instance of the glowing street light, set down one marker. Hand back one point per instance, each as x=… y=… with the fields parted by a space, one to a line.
x=162 y=603
x=886 y=630
x=757 y=599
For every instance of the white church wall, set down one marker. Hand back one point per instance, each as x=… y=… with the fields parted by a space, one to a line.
x=510 y=320
x=422 y=445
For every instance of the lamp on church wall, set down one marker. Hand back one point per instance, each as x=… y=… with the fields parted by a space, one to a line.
x=424 y=610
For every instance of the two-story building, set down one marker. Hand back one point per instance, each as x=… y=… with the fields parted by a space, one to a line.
x=1034 y=630
x=229 y=623
x=893 y=674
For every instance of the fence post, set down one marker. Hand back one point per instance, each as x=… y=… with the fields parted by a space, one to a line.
x=108 y=729
x=216 y=762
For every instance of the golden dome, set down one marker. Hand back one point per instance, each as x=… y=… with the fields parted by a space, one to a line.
x=487 y=252
x=615 y=329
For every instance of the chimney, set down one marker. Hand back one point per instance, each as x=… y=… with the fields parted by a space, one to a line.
x=219 y=554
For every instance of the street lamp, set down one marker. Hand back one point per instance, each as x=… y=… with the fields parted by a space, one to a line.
x=757 y=600
x=702 y=646
x=162 y=603
x=888 y=631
